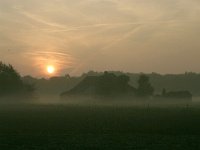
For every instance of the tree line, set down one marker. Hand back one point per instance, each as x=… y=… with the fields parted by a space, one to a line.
x=108 y=83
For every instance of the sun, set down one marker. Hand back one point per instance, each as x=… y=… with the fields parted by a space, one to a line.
x=50 y=69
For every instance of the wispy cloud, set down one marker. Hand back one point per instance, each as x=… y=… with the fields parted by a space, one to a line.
x=92 y=33
x=38 y=18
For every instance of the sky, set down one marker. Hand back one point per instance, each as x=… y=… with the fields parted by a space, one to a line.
x=76 y=36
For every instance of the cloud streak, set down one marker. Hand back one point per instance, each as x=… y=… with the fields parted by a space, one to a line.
x=128 y=35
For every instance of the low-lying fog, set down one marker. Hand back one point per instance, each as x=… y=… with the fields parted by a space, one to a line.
x=55 y=100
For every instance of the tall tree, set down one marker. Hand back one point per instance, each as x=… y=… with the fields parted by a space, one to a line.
x=145 y=88
x=11 y=82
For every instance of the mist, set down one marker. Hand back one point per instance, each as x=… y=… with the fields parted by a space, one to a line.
x=99 y=74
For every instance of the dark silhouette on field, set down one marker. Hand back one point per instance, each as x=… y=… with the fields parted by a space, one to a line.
x=172 y=82
x=145 y=88
x=11 y=83
x=176 y=95
x=93 y=84
x=109 y=85
x=106 y=85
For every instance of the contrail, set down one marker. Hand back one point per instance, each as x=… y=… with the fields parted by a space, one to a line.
x=103 y=50
x=64 y=28
x=38 y=18
x=77 y=28
x=125 y=36
x=86 y=27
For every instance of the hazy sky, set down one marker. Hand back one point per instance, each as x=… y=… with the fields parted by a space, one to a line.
x=80 y=35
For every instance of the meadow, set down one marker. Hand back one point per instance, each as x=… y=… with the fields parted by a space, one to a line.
x=77 y=126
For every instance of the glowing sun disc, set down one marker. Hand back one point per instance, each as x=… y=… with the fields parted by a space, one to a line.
x=50 y=69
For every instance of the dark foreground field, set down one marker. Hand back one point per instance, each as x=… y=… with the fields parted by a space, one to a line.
x=60 y=127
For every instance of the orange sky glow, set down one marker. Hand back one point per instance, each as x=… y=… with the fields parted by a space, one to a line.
x=78 y=36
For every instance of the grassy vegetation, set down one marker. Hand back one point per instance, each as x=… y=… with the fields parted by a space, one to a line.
x=99 y=127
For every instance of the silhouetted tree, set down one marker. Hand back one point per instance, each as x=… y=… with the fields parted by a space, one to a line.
x=11 y=82
x=106 y=85
x=110 y=84
x=122 y=83
x=145 y=88
x=164 y=92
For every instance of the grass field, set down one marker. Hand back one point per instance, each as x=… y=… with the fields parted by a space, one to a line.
x=71 y=126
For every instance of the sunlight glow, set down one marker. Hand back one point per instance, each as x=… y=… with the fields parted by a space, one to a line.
x=50 y=69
